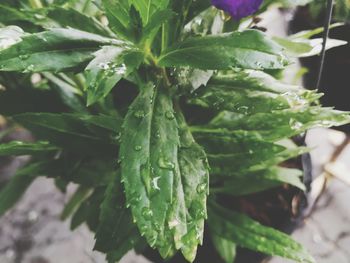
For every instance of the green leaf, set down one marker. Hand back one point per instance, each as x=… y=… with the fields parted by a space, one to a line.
x=85 y=172
x=67 y=91
x=8 y=15
x=150 y=31
x=246 y=183
x=307 y=34
x=107 y=68
x=68 y=17
x=69 y=131
x=254 y=80
x=251 y=92
x=342 y=10
x=277 y=125
x=154 y=171
x=78 y=197
x=195 y=180
x=235 y=151
x=147 y=8
x=225 y=248
x=89 y=210
x=116 y=233
x=17 y=186
x=118 y=16
x=247 y=233
x=109 y=123
x=54 y=50
x=249 y=49
x=307 y=48
x=26 y=148
x=148 y=168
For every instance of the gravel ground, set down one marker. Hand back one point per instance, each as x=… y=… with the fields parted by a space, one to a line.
x=326 y=232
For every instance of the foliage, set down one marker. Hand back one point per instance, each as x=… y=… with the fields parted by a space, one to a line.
x=341 y=9
x=139 y=112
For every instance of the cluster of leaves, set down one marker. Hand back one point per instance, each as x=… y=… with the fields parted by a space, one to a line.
x=138 y=101
x=341 y=9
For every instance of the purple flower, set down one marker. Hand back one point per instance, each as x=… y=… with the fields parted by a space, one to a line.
x=238 y=8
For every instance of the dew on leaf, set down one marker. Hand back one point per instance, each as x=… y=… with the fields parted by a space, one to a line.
x=138 y=148
x=135 y=198
x=202 y=188
x=155 y=183
x=28 y=69
x=120 y=70
x=104 y=66
x=169 y=115
x=165 y=164
x=147 y=213
x=295 y=125
x=23 y=57
x=139 y=114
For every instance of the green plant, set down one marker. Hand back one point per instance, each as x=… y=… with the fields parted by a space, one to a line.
x=341 y=9
x=173 y=93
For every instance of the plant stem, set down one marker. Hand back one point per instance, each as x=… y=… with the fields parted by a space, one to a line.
x=164 y=38
x=165 y=77
x=36 y=4
x=327 y=24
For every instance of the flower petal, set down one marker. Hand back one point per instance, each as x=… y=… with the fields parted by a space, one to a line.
x=238 y=8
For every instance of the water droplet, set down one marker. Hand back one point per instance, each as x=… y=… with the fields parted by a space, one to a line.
x=153 y=239
x=166 y=164
x=147 y=213
x=201 y=188
x=117 y=137
x=243 y=109
x=156 y=226
x=139 y=114
x=155 y=183
x=135 y=199
x=258 y=64
x=201 y=214
x=104 y=66
x=158 y=134
x=23 y=57
x=294 y=99
x=120 y=70
x=39 y=16
x=295 y=125
x=28 y=69
x=169 y=115
x=138 y=148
